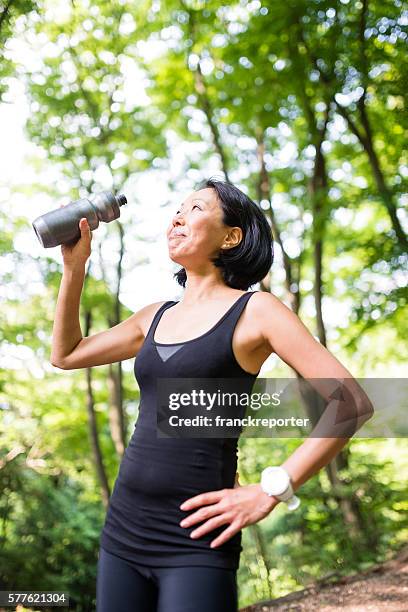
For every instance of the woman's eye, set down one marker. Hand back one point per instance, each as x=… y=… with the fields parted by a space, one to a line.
x=195 y=206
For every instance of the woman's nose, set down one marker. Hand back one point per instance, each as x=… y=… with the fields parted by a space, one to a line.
x=177 y=218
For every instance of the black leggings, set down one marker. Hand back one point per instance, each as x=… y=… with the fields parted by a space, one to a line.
x=123 y=586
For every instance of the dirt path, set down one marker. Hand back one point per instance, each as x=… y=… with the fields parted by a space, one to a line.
x=382 y=588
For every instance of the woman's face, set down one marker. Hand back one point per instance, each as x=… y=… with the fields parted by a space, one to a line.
x=197 y=232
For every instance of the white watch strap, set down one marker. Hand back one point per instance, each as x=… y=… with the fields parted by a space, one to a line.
x=288 y=497
x=293 y=503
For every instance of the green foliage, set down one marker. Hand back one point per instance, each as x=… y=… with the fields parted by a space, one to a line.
x=49 y=535
x=243 y=82
x=10 y=12
x=314 y=541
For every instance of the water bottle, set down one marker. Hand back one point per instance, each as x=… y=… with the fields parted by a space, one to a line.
x=61 y=226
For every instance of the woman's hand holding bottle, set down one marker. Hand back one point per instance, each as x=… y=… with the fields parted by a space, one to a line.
x=77 y=254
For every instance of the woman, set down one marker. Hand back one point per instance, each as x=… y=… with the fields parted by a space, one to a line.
x=172 y=536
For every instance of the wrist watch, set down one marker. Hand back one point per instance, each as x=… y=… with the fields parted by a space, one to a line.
x=275 y=481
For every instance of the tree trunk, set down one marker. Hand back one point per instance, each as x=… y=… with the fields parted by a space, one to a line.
x=259 y=541
x=264 y=193
x=318 y=198
x=115 y=408
x=367 y=142
x=116 y=414
x=206 y=106
x=93 y=428
x=203 y=97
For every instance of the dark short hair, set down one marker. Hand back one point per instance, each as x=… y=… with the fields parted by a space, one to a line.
x=250 y=261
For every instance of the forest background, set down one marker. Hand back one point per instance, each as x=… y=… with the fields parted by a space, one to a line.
x=302 y=104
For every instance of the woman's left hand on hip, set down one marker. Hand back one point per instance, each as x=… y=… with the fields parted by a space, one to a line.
x=240 y=506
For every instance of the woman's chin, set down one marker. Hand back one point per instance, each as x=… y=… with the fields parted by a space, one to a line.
x=175 y=257
x=174 y=247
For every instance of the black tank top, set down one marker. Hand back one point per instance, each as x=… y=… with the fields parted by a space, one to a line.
x=157 y=474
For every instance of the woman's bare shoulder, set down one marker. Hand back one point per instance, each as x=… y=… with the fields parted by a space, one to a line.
x=268 y=312
x=146 y=314
x=264 y=300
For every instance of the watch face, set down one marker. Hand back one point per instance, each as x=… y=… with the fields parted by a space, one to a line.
x=276 y=480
